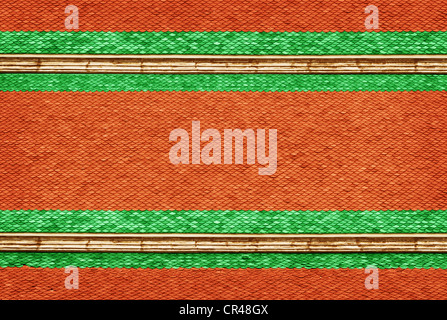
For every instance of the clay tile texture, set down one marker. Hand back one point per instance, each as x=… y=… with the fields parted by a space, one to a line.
x=90 y=153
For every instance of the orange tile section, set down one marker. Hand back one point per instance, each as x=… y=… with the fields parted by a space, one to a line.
x=224 y=15
x=110 y=151
x=244 y=284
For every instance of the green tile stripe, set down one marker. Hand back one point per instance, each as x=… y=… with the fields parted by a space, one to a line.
x=224 y=221
x=222 y=82
x=257 y=43
x=223 y=260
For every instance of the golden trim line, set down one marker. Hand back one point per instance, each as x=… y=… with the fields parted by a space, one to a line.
x=218 y=64
x=170 y=243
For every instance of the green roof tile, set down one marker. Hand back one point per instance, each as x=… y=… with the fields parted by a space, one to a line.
x=223 y=260
x=222 y=82
x=241 y=43
x=230 y=221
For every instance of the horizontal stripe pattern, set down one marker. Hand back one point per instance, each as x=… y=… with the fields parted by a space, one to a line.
x=416 y=190
x=212 y=243
x=223 y=260
x=222 y=64
x=224 y=221
x=223 y=82
x=234 y=15
x=226 y=43
x=110 y=151
x=221 y=284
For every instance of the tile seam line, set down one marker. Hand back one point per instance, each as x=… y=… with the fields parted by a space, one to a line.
x=219 y=267
x=230 y=56
x=236 y=91
x=225 y=235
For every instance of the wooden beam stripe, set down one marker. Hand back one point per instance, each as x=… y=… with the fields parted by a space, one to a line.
x=209 y=243
x=219 y=64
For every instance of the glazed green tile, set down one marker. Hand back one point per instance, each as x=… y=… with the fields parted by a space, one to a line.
x=224 y=260
x=222 y=82
x=230 y=221
x=249 y=43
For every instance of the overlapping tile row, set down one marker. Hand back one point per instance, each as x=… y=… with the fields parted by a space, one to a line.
x=223 y=260
x=224 y=221
x=224 y=43
x=219 y=15
x=110 y=151
x=223 y=82
x=247 y=284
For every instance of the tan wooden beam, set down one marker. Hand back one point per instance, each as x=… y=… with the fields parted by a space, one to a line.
x=170 y=243
x=190 y=64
